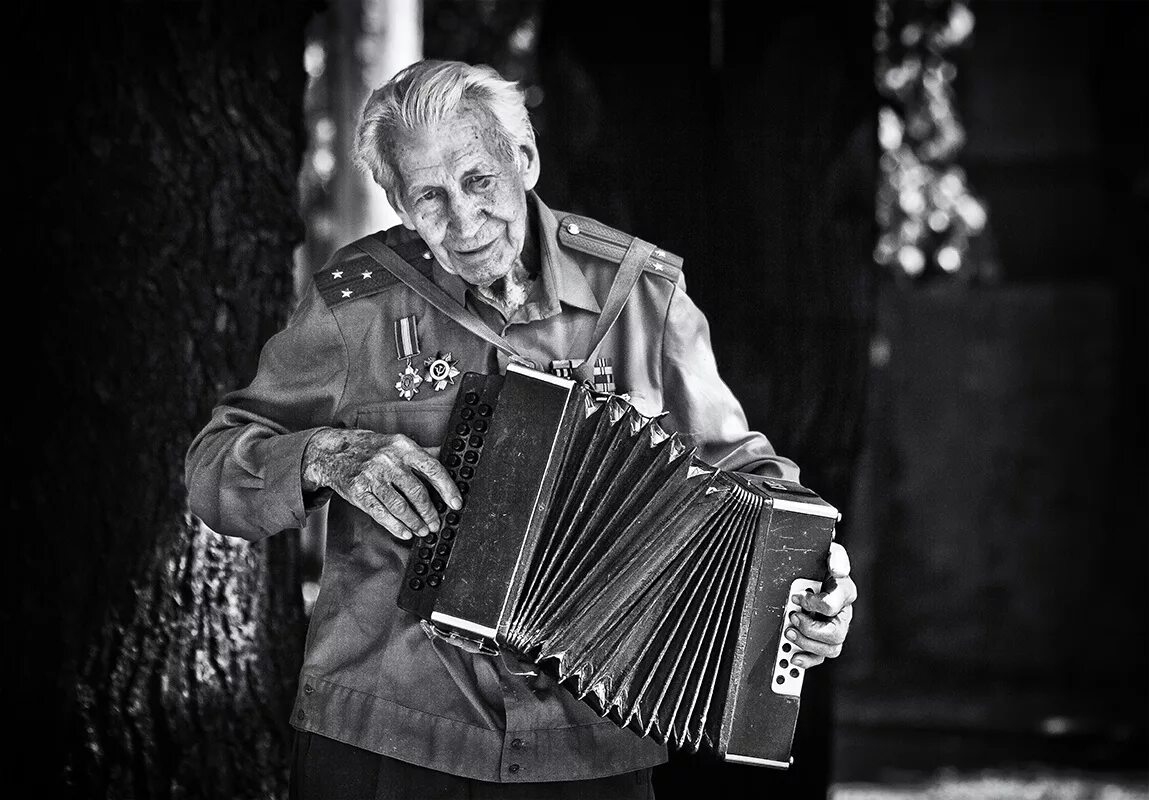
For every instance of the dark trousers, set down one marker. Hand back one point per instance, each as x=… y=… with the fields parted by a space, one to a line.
x=325 y=769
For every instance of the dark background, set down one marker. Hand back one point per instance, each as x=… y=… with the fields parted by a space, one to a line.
x=985 y=437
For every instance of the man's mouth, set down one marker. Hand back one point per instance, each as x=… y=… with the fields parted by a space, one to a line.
x=474 y=252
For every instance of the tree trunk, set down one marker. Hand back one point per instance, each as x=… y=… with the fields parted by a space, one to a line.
x=159 y=145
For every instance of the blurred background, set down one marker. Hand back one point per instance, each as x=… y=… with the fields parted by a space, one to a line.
x=918 y=229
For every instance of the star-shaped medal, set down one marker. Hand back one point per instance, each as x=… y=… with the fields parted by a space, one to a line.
x=441 y=370
x=408 y=383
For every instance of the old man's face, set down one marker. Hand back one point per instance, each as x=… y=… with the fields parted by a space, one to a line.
x=468 y=203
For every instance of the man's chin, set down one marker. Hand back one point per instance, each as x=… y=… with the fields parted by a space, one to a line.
x=481 y=277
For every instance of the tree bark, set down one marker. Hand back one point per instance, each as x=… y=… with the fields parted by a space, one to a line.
x=158 y=145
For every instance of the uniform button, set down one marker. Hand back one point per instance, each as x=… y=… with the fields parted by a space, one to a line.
x=513 y=768
x=516 y=744
x=574 y=229
x=308 y=688
x=300 y=715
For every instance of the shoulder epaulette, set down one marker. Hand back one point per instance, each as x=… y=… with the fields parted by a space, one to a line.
x=591 y=236
x=351 y=274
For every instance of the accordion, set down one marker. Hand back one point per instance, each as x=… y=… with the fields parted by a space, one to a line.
x=653 y=586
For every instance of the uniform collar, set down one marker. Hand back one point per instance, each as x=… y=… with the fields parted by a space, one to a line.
x=560 y=278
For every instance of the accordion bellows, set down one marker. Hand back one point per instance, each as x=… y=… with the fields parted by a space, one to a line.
x=649 y=583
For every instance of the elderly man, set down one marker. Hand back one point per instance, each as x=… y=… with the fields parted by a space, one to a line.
x=352 y=397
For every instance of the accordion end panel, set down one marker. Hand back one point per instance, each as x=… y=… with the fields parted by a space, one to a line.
x=789 y=556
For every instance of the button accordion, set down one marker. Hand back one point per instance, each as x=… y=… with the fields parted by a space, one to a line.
x=652 y=585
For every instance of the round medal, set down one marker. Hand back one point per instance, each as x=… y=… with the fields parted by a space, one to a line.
x=441 y=371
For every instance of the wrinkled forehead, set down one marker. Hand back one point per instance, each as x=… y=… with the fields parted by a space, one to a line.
x=449 y=147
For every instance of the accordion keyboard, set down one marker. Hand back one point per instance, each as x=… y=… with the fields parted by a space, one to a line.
x=462 y=450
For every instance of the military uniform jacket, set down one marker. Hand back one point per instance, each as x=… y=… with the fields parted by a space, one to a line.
x=371 y=676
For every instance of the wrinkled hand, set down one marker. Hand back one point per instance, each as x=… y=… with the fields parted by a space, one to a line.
x=820 y=628
x=379 y=474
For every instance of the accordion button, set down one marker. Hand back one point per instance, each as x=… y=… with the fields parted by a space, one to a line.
x=458 y=445
x=462 y=429
x=475 y=441
x=452 y=461
x=471 y=398
x=467 y=473
x=467 y=413
x=440 y=506
x=434 y=581
x=480 y=426
x=471 y=457
x=786 y=647
x=794 y=673
x=438 y=564
x=484 y=410
x=781 y=679
x=420 y=569
x=783 y=663
x=448 y=534
x=424 y=553
x=463 y=487
x=430 y=538
x=443 y=549
x=415 y=583
x=452 y=518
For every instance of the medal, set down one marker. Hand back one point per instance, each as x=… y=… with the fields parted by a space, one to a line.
x=604 y=375
x=406 y=348
x=408 y=383
x=441 y=371
x=565 y=367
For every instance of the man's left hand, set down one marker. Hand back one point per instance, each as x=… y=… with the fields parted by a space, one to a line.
x=820 y=628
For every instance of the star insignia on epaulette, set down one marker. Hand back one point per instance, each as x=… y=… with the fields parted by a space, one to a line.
x=366 y=275
x=347 y=293
x=337 y=274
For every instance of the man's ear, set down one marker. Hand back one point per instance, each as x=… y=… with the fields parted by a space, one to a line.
x=404 y=217
x=529 y=165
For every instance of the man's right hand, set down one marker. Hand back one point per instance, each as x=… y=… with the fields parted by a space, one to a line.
x=379 y=474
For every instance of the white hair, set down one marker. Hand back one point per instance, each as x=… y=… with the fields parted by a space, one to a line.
x=430 y=91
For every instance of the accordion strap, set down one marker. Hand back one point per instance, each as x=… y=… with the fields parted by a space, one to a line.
x=629 y=269
x=430 y=291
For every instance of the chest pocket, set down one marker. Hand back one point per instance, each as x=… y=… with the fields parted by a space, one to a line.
x=424 y=421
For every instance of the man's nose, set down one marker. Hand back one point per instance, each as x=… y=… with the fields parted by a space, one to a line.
x=467 y=215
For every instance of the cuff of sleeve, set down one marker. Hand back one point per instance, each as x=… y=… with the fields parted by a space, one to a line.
x=288 y=507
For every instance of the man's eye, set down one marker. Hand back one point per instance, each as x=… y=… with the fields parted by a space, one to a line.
x=481 y=181
x=429 y=195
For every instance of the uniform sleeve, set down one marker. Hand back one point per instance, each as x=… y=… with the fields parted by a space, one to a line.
x=702 y=407
x=243 y=471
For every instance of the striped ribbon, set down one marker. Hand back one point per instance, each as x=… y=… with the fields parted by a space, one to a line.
x=604 y=375
x=406 y=337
